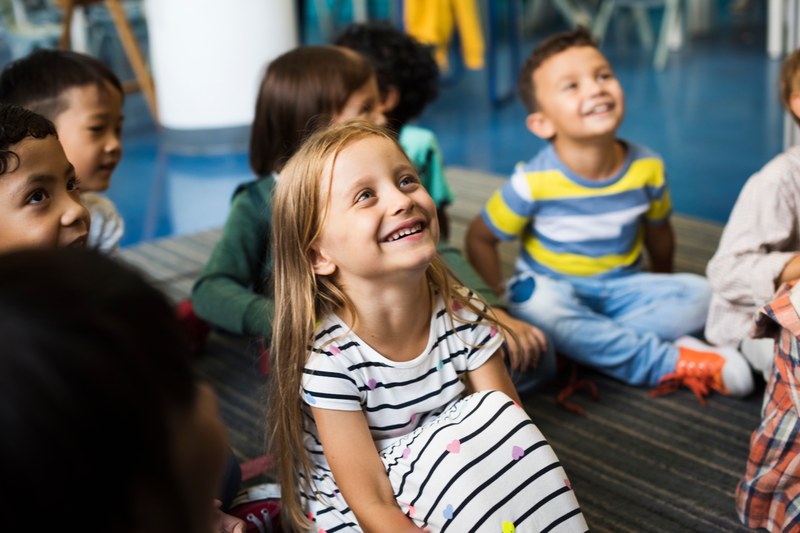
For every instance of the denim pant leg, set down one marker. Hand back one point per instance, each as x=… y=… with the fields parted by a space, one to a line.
x=587 y=336
x=669 y=305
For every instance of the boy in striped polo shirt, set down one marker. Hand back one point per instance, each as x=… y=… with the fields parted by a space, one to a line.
x=584 y=209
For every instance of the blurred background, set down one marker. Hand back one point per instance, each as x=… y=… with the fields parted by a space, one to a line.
x=700 y=78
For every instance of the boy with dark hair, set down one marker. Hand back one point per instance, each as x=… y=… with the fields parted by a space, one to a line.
x=83 y=98
x=584 y=209
x=760 y=245
x=39 y=196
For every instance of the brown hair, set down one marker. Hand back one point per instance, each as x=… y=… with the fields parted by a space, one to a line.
x=39 y=80
x=551 y=46
x=790 y=80
x=302 y=297
x=301 y=90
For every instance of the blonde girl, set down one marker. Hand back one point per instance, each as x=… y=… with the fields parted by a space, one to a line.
x=303 y=89
x=374 y=348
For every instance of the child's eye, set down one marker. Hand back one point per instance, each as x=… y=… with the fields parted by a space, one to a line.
x=406 y=181
x=570 y=86
x=37 y=197
x=605 y=76
x=364 y=195
x=74 y=185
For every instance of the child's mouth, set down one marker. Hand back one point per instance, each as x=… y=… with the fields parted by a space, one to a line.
x=599 y=109
x=405 y=232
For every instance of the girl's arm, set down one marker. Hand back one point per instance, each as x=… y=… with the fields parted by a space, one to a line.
x=223 y=294
x=492 y=375
x=359 y=472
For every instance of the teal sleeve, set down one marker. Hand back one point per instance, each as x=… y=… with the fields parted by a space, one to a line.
x=466 y=274
x=435 y=181
x=224 y=294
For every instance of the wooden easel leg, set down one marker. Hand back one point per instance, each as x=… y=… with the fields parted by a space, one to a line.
x=134 y=54
x=66 y=25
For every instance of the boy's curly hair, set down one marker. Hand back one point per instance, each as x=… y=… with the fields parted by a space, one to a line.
x=16 y=124
x=551 y=46
x=399 y=60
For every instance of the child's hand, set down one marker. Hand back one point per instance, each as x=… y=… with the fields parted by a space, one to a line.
x=532 y=342
x=227 y=523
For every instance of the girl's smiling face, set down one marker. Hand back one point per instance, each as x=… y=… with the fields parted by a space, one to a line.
x=378 y=218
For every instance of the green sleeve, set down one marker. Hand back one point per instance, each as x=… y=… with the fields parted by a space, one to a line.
x=230 y=291
x=464 y=271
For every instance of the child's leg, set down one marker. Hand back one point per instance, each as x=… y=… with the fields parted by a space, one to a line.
x=669 y=305
x=582 y=333
x=482 y=465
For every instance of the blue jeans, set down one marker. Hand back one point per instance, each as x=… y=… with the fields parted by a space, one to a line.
x=620 y=326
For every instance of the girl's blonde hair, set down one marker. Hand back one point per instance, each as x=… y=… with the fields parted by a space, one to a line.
x=302 y=297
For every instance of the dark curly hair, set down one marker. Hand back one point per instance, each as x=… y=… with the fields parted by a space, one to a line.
x=16 y=124
x=551 y=46
x=400 y=61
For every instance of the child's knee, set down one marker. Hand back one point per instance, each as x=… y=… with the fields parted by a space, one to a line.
x=536 y=299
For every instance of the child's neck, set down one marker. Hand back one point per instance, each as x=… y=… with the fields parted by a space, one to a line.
x=394 y=319
x=593 y=160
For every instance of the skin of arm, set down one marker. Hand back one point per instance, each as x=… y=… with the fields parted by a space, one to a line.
x=659 y=240
x=791 y=271
x=481 y=247
x=359 y=472
x=532 y=341
x=492 y=375
x=482 y=252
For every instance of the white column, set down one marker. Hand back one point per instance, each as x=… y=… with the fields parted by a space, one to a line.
x=207 y=57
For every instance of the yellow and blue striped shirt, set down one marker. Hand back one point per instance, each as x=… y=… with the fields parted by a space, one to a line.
x=573 y=226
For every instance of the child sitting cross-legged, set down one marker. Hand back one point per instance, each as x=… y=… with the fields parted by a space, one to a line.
x=39 y=195
x=760 y=245
x=375 y=345
x=584 y=209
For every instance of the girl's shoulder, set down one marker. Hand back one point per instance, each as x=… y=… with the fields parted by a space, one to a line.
x=467 y=310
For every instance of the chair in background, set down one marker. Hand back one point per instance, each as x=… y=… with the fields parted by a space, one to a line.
x=143 y=80
x=671 y=23
x=26 y=31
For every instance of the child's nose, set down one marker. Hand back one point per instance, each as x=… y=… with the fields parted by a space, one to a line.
x=113 y=142
x=401 y=202
x=378 y=118
x=75 y=213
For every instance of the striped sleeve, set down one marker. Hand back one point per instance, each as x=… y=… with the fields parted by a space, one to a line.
x=657 y=190
x=508 y=210
x=328 y=385
x=478 y=339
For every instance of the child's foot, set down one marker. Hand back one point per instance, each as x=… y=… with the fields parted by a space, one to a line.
x=703 y=368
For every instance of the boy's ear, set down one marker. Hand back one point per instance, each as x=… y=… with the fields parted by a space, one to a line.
x=320 y=263
x=794 y=104
x=541 y=126
x=390 y=99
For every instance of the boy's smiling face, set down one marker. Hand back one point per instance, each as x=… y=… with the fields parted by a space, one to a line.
x=89 y=129
x=39 y=199
x=578 y=97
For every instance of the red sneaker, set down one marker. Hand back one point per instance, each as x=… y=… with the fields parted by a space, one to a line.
x=260 y=508
x=197 y=328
